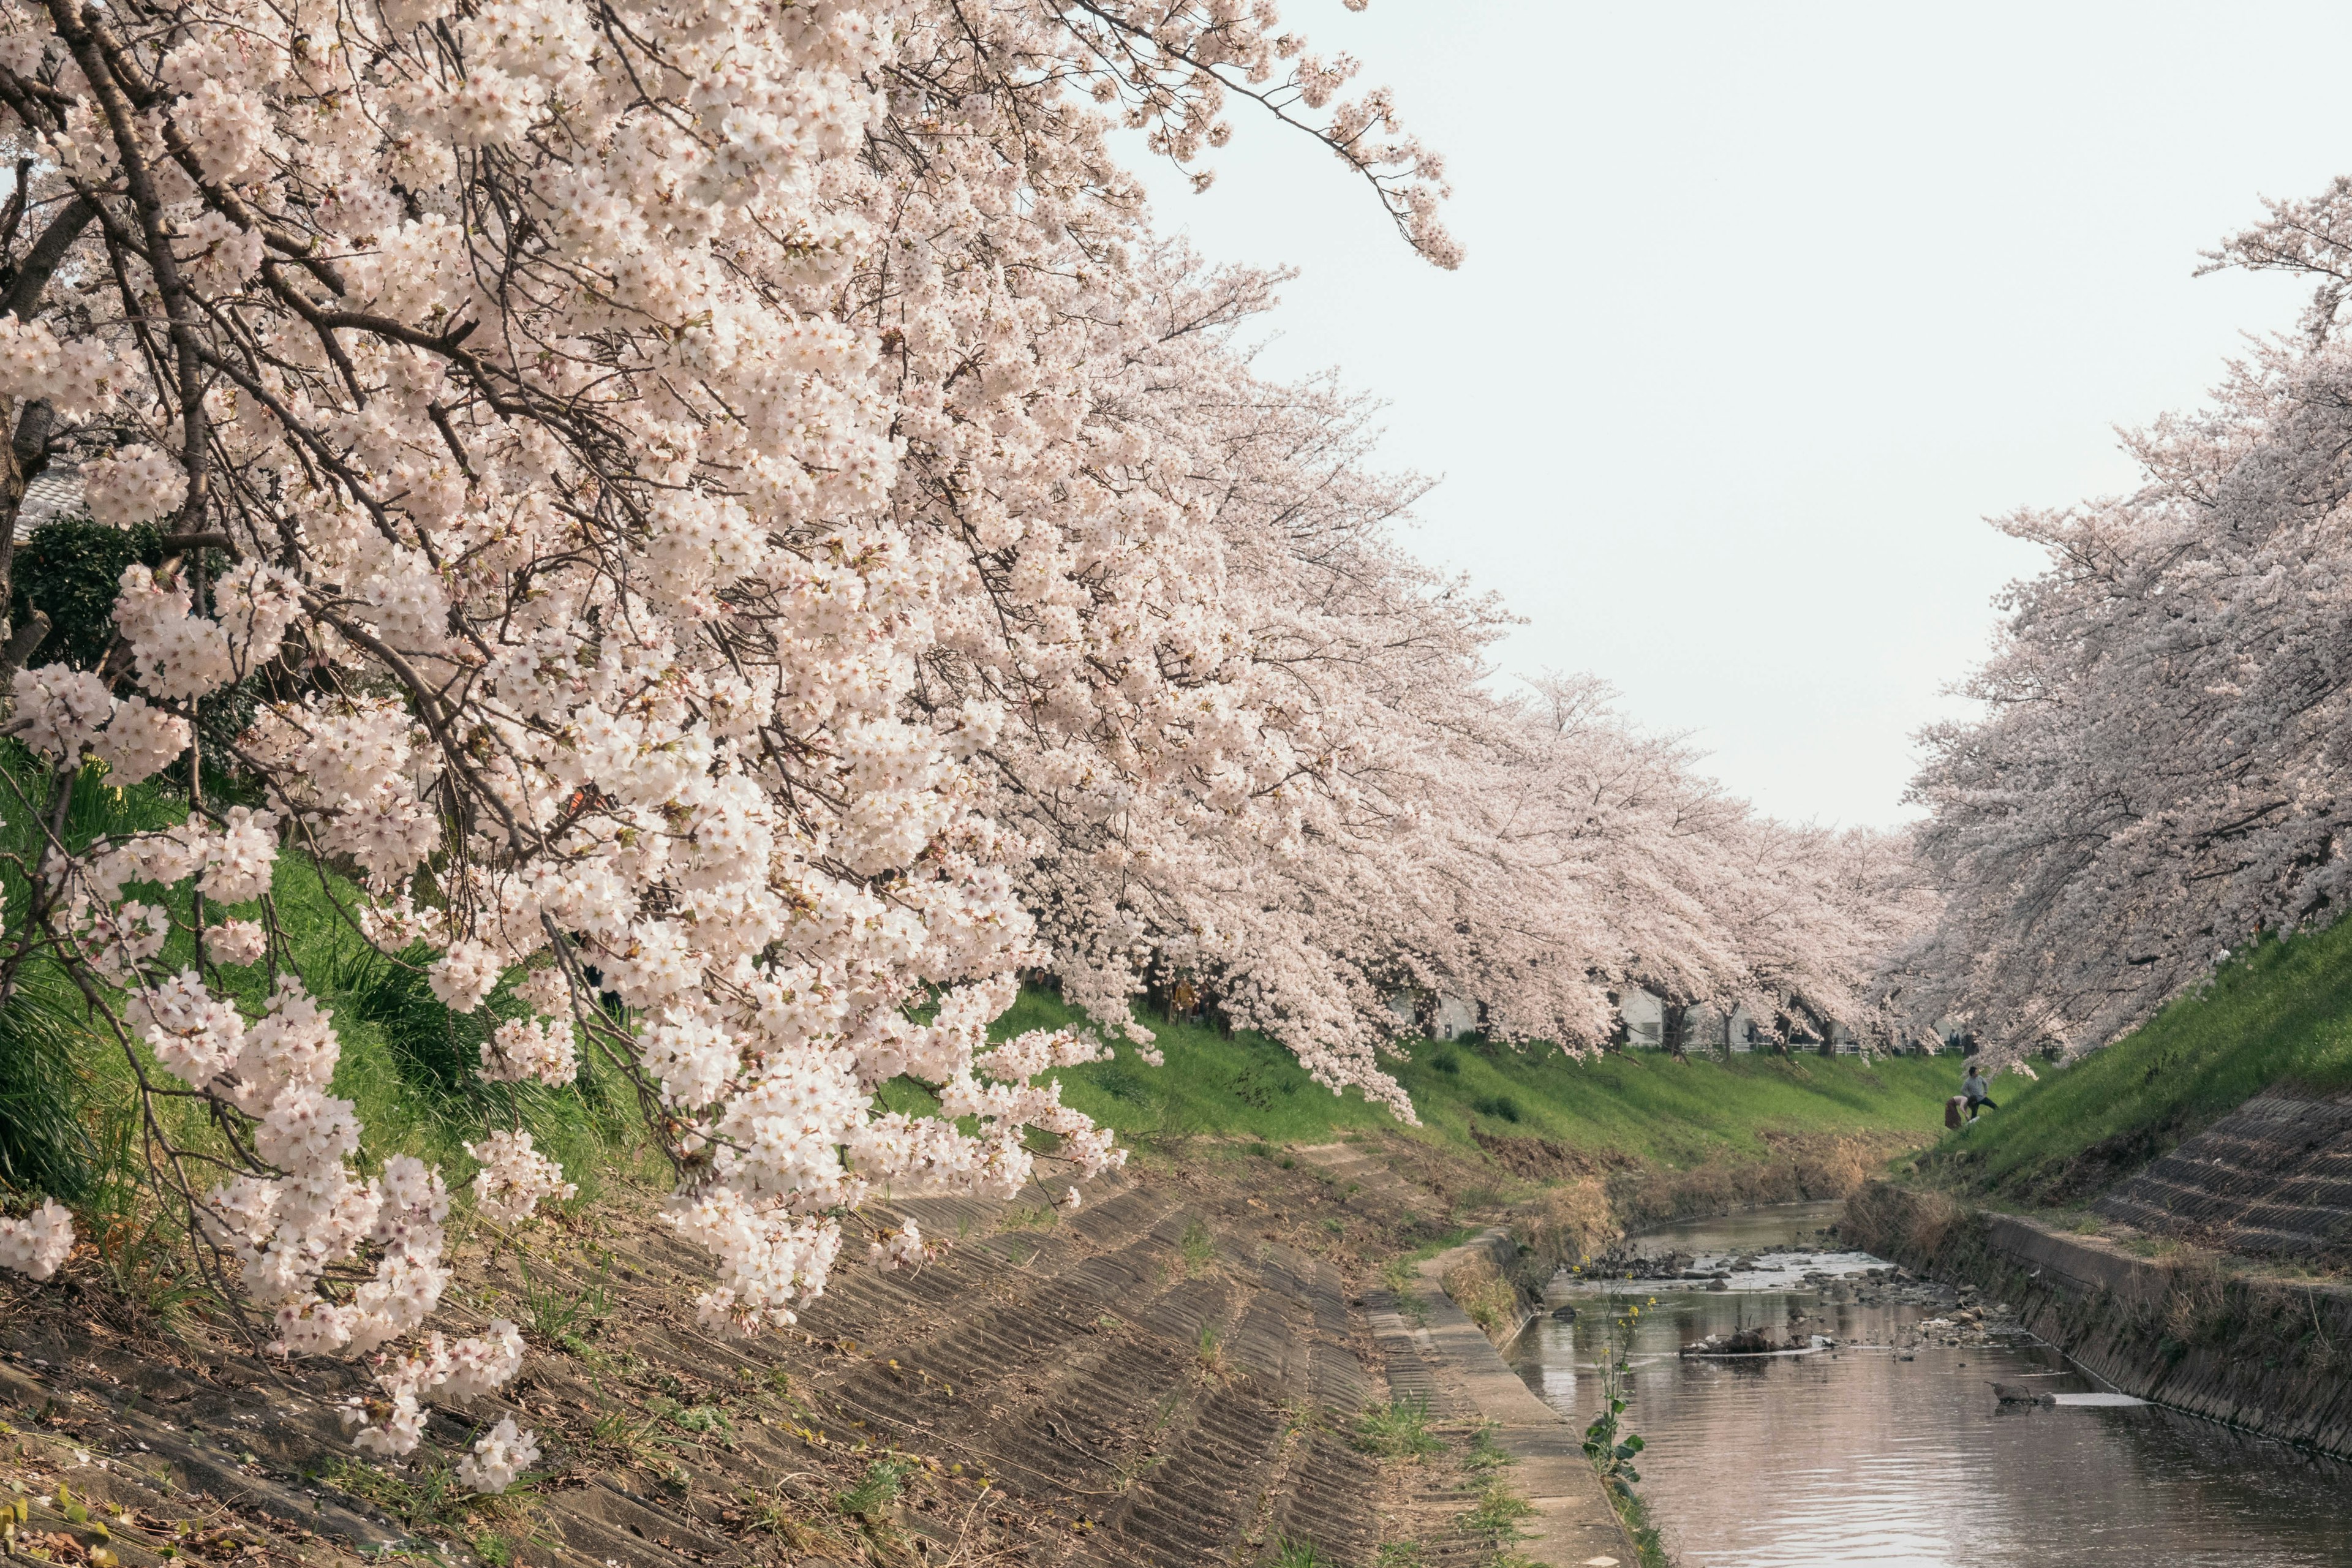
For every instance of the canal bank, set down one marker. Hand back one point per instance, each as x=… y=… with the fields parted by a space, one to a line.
x=2172 y=1323
x=1571 y=1520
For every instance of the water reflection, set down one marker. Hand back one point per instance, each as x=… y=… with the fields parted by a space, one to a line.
x=1852 y=1455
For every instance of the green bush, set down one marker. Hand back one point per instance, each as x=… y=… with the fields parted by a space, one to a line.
x=72 y=569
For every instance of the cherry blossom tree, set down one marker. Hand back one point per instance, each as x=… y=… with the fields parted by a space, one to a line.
x=585 y=428
x=1261 y=756
x=2158 y=774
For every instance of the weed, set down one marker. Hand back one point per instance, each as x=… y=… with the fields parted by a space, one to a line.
x=1199 y=1247
x=1134 y=1471
x=1289 y=1553
x=1486 y=1456
x=1398 y=1554
x=1211 y=1354
x=707 y=1419
x=1398 y=1430
x=493 y=1549
x=871 y=1498
x=1499 y=1510
x=623 y=1436
x=555 y=1307
x=1607 y=1442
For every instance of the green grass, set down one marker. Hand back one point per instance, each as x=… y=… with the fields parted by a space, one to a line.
x=1641 y=1104
x=2280 y=1010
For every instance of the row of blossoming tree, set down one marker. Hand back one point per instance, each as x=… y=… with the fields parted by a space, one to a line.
x=2160 y=773
x=728 y=521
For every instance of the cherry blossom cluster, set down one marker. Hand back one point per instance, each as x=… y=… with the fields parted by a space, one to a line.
x=514 y=1177
x=500 y=1456
x=65 y=712
x=537 y=1049
x=37 y=1244
x=391 y=1423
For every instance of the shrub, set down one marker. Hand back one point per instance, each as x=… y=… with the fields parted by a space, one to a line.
x=1501 y=1107
x=70 y=570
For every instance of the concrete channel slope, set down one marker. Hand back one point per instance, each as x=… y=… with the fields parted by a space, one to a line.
x=1171 y=1375
x=2272 y=1179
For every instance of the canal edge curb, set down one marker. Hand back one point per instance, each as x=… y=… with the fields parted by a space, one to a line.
x=1574 y=1524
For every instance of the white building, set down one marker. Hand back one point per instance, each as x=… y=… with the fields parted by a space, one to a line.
x=1454 y=1016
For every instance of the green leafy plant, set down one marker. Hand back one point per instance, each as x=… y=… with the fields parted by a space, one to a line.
x=1608 y=1442
x=1289 y=1553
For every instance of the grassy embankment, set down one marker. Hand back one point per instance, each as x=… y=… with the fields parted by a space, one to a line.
x=2280 y=1010
x=1642 y=1107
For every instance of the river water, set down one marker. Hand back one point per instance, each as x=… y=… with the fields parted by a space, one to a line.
x=1854 y=1454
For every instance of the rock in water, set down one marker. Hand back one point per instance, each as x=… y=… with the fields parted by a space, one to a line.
x=2017 y=1394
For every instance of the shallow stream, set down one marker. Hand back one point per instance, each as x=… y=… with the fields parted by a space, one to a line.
x=1888 y=1447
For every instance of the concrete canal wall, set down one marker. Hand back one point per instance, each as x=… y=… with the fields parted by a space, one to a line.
x=2176 y=1324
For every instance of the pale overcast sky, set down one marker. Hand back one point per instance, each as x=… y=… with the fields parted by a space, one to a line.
x=1767 y=307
